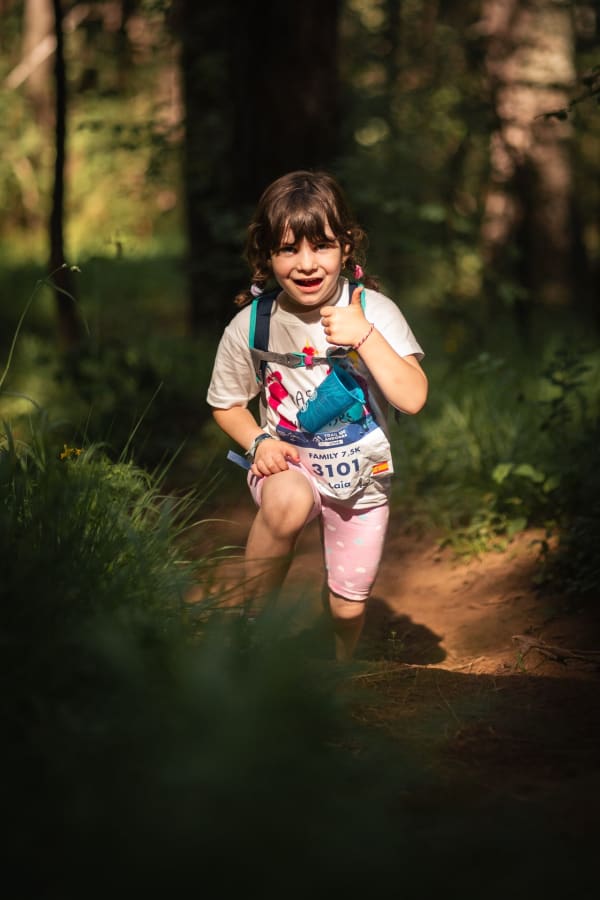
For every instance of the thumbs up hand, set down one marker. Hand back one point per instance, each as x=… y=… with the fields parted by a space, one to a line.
x=345 y=325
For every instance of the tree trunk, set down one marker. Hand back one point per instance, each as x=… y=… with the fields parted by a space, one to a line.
x=202 y=32
x=69 y=326
x=284 y=66
x=261 y=97
x=528 y=231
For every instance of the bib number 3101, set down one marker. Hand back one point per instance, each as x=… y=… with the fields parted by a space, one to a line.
x=342 y=469
x=345 y=461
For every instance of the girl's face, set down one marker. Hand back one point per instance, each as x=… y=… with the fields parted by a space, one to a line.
x=308 y=272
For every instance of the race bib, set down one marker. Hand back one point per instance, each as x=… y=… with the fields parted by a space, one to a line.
x=345 y=461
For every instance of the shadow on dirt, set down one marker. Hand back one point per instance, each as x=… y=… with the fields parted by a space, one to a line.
x=387 y=636
x=394 y=636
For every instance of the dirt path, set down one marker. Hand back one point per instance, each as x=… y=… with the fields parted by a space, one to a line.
x=481 y=616
x=466 y=669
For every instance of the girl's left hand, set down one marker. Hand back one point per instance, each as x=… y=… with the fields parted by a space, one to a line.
x=345 y=325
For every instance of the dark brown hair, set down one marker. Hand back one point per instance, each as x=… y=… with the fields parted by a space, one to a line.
x=307 y=203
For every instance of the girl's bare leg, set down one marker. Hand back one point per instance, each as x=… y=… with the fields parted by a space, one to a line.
x=348 y=618
x=286 y=503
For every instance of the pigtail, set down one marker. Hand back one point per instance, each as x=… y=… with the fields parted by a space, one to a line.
x=357 y=273
x=243 y=298
x=257 y=257
x=371 y=282
x=257 y=288
x=356 y=242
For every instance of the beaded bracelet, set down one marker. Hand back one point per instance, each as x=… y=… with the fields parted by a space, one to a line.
x=363 y=339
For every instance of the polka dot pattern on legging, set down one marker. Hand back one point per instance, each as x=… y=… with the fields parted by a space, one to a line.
x=353 y=548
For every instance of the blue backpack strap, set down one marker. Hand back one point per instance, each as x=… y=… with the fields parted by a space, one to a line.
x=260 y=325
x=352 y=285
x=260 y=321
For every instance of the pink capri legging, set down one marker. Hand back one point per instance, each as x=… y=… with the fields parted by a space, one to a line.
x=352 y=539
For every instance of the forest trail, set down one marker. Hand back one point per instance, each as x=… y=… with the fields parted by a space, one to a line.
x=429 y=608
x=465 y=667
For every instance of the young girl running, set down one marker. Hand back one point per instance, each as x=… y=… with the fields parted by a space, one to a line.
x=328 y=358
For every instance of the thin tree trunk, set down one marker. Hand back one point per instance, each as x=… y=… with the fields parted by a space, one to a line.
x=202 y=31
x=37 y=27
x=69 y=326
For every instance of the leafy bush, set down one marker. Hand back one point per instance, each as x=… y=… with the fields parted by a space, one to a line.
x=477 y=418
x=502 y=447
x=123 y=387
x=573 y=420
x=146 y=396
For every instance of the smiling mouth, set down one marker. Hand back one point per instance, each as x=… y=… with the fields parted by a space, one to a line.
x=308 y=282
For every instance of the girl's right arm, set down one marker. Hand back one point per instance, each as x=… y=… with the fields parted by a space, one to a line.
x=241 y=426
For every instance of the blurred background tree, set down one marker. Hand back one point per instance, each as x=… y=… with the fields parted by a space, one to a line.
x=260 y=84
x=532 y=222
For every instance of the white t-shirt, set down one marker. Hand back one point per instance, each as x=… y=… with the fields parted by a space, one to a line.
x=287 y=390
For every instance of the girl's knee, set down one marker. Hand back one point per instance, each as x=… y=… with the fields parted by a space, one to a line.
x=287 y=501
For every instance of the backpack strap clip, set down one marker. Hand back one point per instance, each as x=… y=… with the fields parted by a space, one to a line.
x=258 y=338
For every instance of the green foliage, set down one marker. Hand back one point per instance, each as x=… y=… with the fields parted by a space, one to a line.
x=144 y=397
x=135 y=381
x=114 y=712
x=82 y=536
x=500 y=448
x=574 y=412
x=476 y=417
